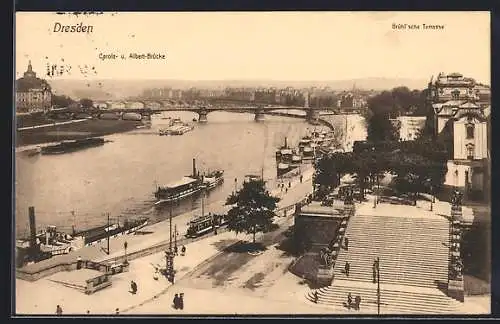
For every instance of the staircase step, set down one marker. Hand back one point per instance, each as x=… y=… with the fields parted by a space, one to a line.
x=392 y=301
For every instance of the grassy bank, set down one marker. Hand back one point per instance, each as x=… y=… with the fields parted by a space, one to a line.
x=93 y=127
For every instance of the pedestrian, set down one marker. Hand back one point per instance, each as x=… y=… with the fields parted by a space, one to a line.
x=181 y=301
x=156 y=274
x=286 y=190
x=59 y=310
x=357 y=301
x=88 y=312
x=346 y=243
x=183 y=250
x=349 y=301
x=346 y=268
x=78 y=263
x=300 y=178
x=289 y=184
x=133 y=287
x=315 y=295
x=176 y=301
x=117 y=311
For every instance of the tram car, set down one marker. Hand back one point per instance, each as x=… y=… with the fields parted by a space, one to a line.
x=204 y=224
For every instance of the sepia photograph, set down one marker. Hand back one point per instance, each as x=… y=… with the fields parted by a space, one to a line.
x=252 y=163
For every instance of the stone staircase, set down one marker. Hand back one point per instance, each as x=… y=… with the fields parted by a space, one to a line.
x=412 y=251
x=393 y=300
x=413 y=254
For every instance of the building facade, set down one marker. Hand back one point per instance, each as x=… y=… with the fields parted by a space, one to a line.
x=32 y=93
x=461 y=108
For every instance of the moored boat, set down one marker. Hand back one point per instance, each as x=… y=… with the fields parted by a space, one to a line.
x=283 y=168
x=73 y=145
x=189 y=185
x=51 y=242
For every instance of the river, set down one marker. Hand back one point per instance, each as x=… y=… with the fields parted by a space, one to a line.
x=120 y=177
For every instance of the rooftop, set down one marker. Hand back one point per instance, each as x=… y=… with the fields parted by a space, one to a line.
x=316 y=209
x=181 y=182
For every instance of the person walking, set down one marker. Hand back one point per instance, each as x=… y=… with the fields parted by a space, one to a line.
x=349 y=300
x=133 y=287
x=347 y=268
x=78 y=263
x=117 y=311
x=176 y=301
x=183 y=250
x=357 y=301
x=315 y=296
x=59 y=310
x=346 y=243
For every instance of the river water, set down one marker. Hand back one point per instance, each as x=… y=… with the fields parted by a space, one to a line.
x=120 y=177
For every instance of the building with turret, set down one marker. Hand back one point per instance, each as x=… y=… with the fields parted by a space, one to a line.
x=32 y=93
x=461 y=111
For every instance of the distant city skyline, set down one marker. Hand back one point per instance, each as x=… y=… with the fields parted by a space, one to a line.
x=281 y=46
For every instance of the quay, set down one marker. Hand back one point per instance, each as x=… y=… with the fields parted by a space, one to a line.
x=37 y=280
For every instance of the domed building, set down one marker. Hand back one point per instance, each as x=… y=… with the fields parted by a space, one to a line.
x=32 y=93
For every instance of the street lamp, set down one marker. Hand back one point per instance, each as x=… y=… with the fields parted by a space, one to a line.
x=125 y=245
x=175 y=237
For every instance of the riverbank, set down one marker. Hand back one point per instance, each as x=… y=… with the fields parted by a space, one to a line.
x=72 y=131
x=154 y=234
x=30 y=295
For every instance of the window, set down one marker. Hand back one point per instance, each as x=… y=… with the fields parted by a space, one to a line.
x=455 y=94
x=470 y=130
x=470 y=151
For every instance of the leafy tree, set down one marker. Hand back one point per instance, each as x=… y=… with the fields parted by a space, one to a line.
x=253 y=209
x=86 y=103
x=419 y=166
x=61 y=101
x=380 y=128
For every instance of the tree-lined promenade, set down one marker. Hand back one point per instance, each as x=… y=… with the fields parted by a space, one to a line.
x=418 y=166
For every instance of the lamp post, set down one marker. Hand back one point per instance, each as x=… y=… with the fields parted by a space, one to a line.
x=432 y=198
x=175 y=237
x=125 y=245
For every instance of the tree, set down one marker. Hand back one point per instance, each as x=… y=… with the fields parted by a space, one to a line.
x=253 y=209
x=86 y=103
x=61 y=101
x=380 y=128
x=419 y=166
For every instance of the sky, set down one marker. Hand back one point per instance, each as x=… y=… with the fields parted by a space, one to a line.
x=295 y=46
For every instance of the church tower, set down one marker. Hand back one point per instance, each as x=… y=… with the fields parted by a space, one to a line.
x=29 y=72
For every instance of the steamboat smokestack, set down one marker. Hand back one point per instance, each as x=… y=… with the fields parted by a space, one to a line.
x=194 y=167
x=32 y=226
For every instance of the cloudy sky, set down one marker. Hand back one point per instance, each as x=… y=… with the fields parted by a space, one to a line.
x=268 y=45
